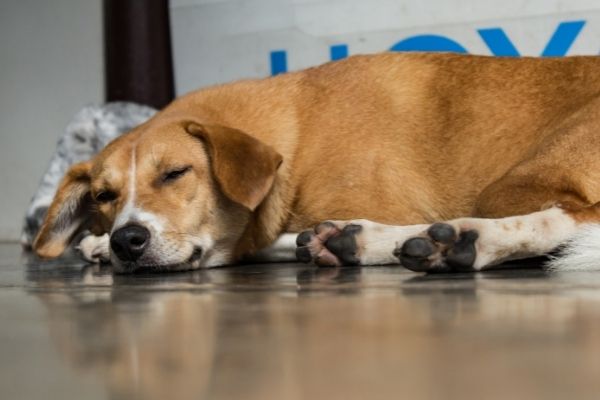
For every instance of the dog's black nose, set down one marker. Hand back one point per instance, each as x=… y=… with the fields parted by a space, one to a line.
x=129 y=242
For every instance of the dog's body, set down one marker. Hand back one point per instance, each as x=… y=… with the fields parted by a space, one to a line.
x=400 y=139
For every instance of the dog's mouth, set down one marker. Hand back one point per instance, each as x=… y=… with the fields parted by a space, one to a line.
x=131 y=267
x=196 y=255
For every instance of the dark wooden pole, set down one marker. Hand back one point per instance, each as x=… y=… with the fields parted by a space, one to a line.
x=137 y=52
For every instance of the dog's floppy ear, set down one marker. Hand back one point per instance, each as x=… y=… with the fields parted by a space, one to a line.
x=67 y=213
x=243 y=166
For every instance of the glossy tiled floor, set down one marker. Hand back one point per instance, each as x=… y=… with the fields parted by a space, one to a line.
x=295 y=332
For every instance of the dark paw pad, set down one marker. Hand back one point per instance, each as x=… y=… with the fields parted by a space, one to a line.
x=344 y=246
x=441 y=249
x=461 y=256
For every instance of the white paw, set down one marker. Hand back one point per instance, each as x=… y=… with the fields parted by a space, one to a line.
x=94 y=248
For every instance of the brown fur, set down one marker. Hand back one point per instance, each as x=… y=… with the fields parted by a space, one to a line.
x=393 y=138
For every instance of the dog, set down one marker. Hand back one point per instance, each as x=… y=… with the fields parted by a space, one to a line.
x=503 y=151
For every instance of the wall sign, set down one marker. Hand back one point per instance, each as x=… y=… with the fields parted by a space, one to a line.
x=217 y=42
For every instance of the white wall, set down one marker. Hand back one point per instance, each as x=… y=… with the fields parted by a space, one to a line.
x=222 y=40
x=50 y=65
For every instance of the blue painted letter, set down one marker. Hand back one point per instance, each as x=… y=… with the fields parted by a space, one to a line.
x=497 y=41
x=428 y=43
x=278 y=62
x=563 y=38
x=338 y=52
x=558 y=46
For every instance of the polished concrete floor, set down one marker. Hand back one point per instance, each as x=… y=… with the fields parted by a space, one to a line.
x=292 y=331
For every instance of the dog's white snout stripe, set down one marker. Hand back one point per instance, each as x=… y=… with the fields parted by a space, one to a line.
x=130 y=212
x=125 y=215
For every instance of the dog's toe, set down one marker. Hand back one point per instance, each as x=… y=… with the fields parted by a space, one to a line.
x=344 y=245
x=303 y=254
x=442 y=233
x=311 y=245
x=461 y=256
x=415 y=253
x=326 y=228
x=417 y=248
x=304 y=238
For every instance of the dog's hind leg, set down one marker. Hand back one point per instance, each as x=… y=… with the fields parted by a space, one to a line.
x=465 y=244
x=513 y=217
x=472 y=244
x=517 y=214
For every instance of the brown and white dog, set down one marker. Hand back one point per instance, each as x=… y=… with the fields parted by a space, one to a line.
x=506 y=150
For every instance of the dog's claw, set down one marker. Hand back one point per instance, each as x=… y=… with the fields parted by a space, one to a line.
x=304 y=238
x=303 y=254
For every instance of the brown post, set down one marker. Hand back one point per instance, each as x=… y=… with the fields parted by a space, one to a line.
x=137 y=52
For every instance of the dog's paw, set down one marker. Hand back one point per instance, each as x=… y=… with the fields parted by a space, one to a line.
x=95 y=249
x=330 y=244
x=441 y=248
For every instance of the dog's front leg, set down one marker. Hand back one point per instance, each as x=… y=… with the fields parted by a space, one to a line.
x=472 y=244
x=356 y=242
x=282 y=250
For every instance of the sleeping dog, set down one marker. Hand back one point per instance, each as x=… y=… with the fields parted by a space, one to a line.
x=374 y=151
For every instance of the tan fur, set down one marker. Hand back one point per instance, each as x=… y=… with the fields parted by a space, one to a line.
x=394 y=138
x=67 y=211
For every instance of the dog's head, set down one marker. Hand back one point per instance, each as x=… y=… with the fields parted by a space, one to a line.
x=172 y=195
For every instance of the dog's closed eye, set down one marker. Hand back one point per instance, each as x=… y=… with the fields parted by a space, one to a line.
x=105 y=196
x=175 y=174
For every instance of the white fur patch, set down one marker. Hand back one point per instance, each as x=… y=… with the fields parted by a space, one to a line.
x=282 y=250
x=95 y=248
x=126 y=214
x=520 y=236
x=580 y=253
x=132 y=213
x=379 y=241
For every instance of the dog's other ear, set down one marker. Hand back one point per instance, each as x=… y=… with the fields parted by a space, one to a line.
x=243 y=166
x=69 y=210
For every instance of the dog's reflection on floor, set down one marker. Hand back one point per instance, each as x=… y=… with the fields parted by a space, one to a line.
x=313 y=333
x=150 y=344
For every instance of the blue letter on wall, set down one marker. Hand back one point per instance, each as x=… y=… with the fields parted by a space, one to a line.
x=338 y=52
x=496 y=40
x=563 y=38
x=558 y=46
x=428 y=43
x=278 y=62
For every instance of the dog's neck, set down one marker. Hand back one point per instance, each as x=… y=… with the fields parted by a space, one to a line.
x=269 y=220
